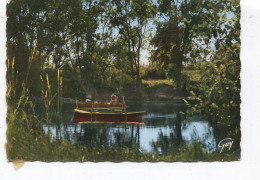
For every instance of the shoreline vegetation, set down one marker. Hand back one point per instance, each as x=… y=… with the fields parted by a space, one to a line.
x=161 y=92
x=91 y=49
x=34 y=145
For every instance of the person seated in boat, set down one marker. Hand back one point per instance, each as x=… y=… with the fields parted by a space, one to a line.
x=113 y=99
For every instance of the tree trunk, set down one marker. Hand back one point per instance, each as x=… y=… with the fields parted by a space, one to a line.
x=88 y=87
x=138 y=80
x=179 y=77
x=131 y=59
x=139 y=88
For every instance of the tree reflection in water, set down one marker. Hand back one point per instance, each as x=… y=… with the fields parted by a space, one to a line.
x=165 y=143
x=113 y=136
x=164 y=129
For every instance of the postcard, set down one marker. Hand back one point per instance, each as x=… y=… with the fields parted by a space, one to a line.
x=125 y=84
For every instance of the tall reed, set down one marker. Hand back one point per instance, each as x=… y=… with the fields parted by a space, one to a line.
x=61 y=96
x=12 y=83
x=49 y=104
x=59 y=89
x=59 y=100
x=24 y=129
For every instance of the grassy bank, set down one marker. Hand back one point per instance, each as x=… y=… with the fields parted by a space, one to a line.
x=35 y=148
x=152 y=83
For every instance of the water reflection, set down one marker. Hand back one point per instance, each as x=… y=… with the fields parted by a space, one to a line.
x=163 y=130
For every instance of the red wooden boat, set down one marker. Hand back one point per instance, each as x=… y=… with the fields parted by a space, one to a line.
x=116 y=116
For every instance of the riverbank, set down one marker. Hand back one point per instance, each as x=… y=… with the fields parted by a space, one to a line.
x=161 y=92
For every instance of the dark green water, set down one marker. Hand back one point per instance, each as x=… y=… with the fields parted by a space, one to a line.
x=163 y=130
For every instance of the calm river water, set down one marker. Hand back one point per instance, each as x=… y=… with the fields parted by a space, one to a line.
x=162 y=131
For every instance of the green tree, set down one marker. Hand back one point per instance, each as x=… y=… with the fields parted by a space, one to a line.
x=24 y=27
x=84 y=46
x=68 y=34
x=131 y=17
x=185 y=30
x=219 y=87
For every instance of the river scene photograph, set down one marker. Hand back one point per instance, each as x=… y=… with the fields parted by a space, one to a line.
x=123 y=81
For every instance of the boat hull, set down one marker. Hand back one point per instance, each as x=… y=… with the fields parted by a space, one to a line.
x=81 y=116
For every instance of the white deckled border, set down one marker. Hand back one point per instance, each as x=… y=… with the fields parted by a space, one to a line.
x=247 y=168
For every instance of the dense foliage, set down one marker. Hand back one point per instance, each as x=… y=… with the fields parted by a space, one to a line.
x=219 y=89
x=74 y=48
